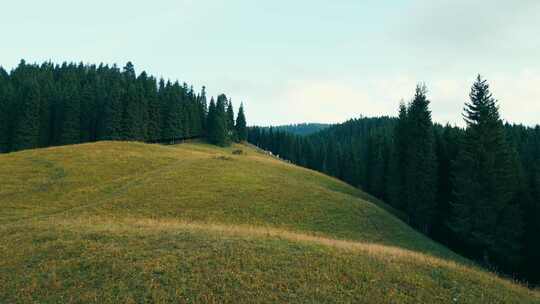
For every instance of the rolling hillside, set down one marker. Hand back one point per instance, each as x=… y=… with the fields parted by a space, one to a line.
x=120 y=222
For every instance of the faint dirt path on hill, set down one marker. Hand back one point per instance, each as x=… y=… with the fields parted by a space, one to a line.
x=133 y=180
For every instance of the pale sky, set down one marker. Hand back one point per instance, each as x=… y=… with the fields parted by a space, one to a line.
x=299 y=61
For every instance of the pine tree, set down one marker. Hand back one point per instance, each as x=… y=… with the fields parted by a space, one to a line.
x=174 y=128
x=217 y=123
x=133 y=123
x=211 y=121
x=421 y=164
x=483 y=181
x=129 y=71
x=187 y=119
x=396 y=187
x=195 y=116
x=241 y=125
x=153 y=104
x=230 y=121
x=203 y=111
x=135 y=112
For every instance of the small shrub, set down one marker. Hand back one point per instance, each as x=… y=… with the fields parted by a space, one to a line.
x=238 y=152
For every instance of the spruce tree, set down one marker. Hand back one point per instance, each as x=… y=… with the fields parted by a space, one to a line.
x=241 y=125
x=421 y=163
x=153 y=104
x=211 y=121
x=174 y=128
x=187 y=121
x=203 y=111
x=218 y=125
x=483 y=181
x=133 y=124
x=135 y=113
x=230 y=121
x=396 y=187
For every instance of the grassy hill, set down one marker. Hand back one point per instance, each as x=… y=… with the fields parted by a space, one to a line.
x=114 y=222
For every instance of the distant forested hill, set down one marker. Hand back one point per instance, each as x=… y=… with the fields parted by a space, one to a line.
x=302 y=128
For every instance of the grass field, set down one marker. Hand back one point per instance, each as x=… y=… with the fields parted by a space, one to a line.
x=115 y=222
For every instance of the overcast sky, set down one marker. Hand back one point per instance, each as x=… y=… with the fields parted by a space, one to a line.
x=300 y=61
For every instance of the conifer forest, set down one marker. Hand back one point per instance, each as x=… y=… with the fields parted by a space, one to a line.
x=50 y=105
x=475 y=189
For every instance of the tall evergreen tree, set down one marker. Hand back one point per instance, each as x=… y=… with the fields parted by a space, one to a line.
x=217 y=123
x=174 y=127
x=153 y=107
x=134 y=105
x=396 y=187
x=211 y=121
x=230 y=121
x=483 y=181
x=241 y=125
x=203 y=111
x=420 y=163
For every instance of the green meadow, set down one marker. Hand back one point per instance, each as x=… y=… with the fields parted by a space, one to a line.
x=122 y=222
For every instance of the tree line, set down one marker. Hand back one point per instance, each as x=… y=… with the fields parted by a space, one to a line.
x=302 y=128
x=49 y=105
x=475 y=189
